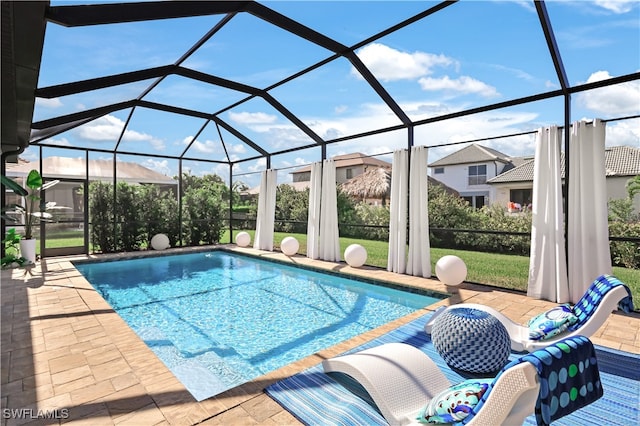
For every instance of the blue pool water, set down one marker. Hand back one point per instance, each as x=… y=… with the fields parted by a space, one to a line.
x=219 y=319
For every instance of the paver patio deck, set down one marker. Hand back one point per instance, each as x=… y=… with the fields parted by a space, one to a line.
x=66 y=354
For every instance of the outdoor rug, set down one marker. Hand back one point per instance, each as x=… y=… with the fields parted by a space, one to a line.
x=316 y=398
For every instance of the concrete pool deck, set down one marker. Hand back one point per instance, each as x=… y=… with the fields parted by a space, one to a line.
x=66 y=355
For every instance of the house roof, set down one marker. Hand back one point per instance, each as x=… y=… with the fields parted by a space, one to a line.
x=619 y=161
x=350 y=160
x=473 y=153
x=74 y=168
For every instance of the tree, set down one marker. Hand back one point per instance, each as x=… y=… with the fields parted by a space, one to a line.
x=633 y=186
x=291 y=206
x=160 y=214
x=128 y=208
x=205 y=204
x=101 y=216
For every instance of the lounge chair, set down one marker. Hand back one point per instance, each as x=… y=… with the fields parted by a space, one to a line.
x=605 y=295
x=402 y=380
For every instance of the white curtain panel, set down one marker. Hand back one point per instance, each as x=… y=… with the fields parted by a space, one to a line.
x=548 y=262
x=396 y=260
x=266 y=211
x=588 y=231
x=313 y=224
x=419 y=262
x=329 y=235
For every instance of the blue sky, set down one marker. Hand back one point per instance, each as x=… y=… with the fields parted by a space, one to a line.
x=471 y=54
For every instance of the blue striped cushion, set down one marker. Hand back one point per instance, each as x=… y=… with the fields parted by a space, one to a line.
x=589 y=302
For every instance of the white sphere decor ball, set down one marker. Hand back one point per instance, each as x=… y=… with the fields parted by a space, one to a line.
x=160 y=242
x=243 y=239
x=451 y=270
x=355 y=255
x=289 y=246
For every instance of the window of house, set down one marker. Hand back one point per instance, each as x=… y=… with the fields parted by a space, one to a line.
x=438 y=170
x=475 y=201
x=302 y=177
x=478 y=174
x=349 y=173
x=521 y=196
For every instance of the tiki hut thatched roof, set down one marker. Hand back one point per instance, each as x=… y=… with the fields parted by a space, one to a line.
x=376 y=183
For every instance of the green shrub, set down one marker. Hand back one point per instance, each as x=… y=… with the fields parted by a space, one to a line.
x=128 y=210
x=205 y=206
x=292 y=209
x=101 y=216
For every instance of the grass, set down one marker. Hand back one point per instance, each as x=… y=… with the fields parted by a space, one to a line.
x=499 y=270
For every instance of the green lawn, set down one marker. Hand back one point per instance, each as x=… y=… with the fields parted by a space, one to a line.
x=499 y=270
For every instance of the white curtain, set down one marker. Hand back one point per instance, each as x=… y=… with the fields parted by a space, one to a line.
x=396 y=260
x=266 y=211
x=547 y=261
x=329 y=235
x=419 y=263
x=588 y=232
x=313 y=223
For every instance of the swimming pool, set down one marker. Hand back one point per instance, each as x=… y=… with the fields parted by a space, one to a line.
x=218 y=319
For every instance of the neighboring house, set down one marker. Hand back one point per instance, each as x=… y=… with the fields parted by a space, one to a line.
x=469 y=169
x=621 y=162
x=102 y=170
x=71 y=172
x=347 y=166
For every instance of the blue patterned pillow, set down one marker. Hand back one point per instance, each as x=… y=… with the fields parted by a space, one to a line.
x=551 y=323
x=454 y=404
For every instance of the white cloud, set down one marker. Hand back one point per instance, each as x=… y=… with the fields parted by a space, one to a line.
x=518 y=73
x=109 y=128
x=463 y=84
x=49 y=103
x=340 y=109
x=221 y=170
x=259 y=165
x=625 y=132
x=206 y=147
x=252 y=117
x=617 y=6
x=611 y=101
x=237 y=148
x=389 y=64
x=61 y=142
x=551 y=85
x=215 y=146
x=160 y=166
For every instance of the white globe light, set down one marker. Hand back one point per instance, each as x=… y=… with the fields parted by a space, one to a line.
x=355 y=255
x=451 y=270
x=243 y=239
x=160 y=242
x=289 y=246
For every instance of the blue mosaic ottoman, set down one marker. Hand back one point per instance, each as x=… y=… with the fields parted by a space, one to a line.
x=471 y=340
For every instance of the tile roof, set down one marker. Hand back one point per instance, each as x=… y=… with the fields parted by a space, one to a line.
x=473 y=153
x=347 y=160
x=74 y=168
x=619 y=161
